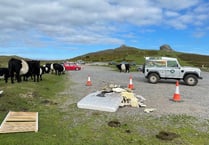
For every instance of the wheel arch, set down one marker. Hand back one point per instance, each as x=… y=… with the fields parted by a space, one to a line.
x=155 y=72
x=190 y=73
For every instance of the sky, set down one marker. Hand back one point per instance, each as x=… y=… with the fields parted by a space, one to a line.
x=63 y=29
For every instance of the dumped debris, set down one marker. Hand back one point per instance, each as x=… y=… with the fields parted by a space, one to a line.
x=129 y=98
x=110 y=98
x=20 y=122
x=101 y=101
x=148 y=110
x=1 y=92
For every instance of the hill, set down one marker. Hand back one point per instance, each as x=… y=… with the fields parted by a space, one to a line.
x=132 y=54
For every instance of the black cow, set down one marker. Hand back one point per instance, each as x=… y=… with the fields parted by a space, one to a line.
x=4 y=72
x=55 y=68
x=18 y=68
x=43 y=69
x=14 y=66
x=123 y=67
x=47 y=67
x=34 y=70
x=58 y=68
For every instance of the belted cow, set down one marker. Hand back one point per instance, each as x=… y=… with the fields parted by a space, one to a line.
x=55 y=67
x=18 y=68
x=123 y=67
x=58 y=68
x=43 y=70
x=33 y=71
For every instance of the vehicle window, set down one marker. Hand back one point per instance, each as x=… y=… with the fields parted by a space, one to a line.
x=156 y=63
x=172 y=63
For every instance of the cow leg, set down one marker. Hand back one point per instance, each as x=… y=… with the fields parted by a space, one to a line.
x=12 y=78
x=6 y=79
x=18 y=78
x=37 y=78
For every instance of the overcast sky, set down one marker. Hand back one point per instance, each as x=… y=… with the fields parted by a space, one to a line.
x=60 y=29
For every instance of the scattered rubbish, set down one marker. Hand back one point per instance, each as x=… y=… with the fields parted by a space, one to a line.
x=110 y=98
x=118 y=90
x=114 y=124
x=167 y=135
x=148 y=110
x=140 y=97
x=1 y=92
x=20 y=122
x=142 y=104
x=130 y=98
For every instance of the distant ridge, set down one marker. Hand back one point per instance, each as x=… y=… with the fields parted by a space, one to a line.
x=130 y=54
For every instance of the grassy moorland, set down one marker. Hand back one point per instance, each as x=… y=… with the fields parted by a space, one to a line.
x=131 y=54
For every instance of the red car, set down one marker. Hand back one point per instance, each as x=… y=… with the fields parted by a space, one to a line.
x=71 y=66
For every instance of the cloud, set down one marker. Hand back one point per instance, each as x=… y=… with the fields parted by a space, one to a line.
x=177 y=4
x=78 y=22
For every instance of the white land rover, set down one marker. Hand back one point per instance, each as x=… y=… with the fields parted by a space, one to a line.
x=156 y=68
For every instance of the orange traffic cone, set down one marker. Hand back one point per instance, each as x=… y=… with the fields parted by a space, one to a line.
x=88 y=83
x=176 y=96
x=130 y=86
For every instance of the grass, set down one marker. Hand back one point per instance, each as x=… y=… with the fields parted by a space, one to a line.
x=66 y=124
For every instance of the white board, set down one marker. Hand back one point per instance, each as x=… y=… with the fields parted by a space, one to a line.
x=110 y=102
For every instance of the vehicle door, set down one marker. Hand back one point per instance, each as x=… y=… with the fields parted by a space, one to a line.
x=160 y=67
x=172 y=69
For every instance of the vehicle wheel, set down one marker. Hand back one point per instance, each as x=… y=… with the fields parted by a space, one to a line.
x=191 y=80
x=153 y=78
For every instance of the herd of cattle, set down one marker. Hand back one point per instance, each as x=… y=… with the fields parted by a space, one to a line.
x=19 y=69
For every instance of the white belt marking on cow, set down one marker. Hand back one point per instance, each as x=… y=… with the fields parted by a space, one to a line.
x=24 y=68
x=51 y=66
x=123 y=67
x=40 y=71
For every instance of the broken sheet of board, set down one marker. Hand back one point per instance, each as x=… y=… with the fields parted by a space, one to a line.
x=110 y=102
x=20 y=122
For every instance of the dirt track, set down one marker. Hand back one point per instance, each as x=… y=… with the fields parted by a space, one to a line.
x=195 y=100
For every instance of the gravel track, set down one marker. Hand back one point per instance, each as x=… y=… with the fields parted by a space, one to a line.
x=194 y=99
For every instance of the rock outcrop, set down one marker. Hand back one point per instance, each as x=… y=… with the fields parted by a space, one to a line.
x=166 y=47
